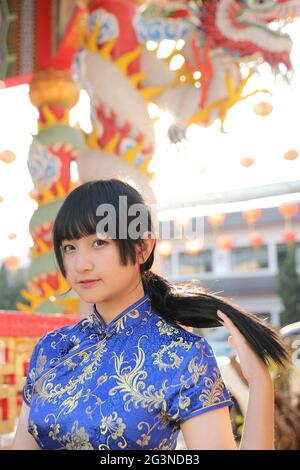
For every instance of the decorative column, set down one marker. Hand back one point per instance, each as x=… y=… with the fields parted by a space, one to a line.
x=53 y=150
x=108 y=65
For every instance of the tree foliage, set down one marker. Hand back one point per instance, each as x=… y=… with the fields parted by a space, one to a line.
x=10 y=285
x=288 y=287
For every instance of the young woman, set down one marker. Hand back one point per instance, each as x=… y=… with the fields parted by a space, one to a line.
x=130 y=375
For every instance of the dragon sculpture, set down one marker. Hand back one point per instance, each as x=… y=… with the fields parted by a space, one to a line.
x=216 y=42
x=220 y=36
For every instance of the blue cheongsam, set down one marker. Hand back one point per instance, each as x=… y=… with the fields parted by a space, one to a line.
x=125 y=385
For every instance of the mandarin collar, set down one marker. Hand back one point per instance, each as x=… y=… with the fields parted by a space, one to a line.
x=126 y=318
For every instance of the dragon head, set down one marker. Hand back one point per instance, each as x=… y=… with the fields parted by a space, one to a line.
x=247 y=28
x=269 y=18
x=265 y=11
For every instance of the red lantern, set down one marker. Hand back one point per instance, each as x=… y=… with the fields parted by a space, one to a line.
x=263 y=108
x=224 y=242
x=193 y=247
x=33 y=194
x=289 y=237
x=12 y=263
x=12 y=236
x=247 y=162
x=256 y=240
x=216 y=219
x=288 y=210
x=7 y=156
x=252 y=216
x=291 y=155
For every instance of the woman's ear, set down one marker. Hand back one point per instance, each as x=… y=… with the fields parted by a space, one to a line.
x=145 y=249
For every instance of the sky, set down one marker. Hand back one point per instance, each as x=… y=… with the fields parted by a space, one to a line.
x=211 y=164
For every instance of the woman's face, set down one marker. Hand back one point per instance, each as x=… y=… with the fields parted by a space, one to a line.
x=94 y=270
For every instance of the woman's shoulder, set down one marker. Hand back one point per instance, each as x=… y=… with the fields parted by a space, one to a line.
x=63 y=330
x=57 y=344
x=168 y=329
x=60 y=335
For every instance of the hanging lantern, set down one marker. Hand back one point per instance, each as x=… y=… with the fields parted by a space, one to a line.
x=252 y=216
x=12 y=263
x=1 y=198
x=224 y=242
x=256 y=240
x=247 y=162
x=263 y=108
x=216 y=219
x=12 y=236
x=288 y=210
x=289 y=237
x=7 y=156
x=291 y=155
x=165 y=248
x=33 y=194
x=193 y=247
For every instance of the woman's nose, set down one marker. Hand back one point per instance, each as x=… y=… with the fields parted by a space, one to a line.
x=83 y=262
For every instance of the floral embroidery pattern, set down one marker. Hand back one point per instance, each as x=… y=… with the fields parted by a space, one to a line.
x=169 y=350
x=214 y=393
x=125 y=386
x=114 y=426
x=131 y=382
x=78 y=439
x=165 y=329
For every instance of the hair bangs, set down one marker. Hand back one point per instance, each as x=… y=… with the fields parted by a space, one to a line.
x=76 y=218
x=79 y=217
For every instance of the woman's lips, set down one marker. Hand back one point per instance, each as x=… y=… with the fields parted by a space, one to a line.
x=89 y=283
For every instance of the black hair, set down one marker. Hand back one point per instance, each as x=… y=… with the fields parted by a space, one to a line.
x=188 y=304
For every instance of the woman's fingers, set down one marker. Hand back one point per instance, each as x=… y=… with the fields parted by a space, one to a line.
x=249 y=361
x=227 y=322
x=237 y=335
x=231 y=342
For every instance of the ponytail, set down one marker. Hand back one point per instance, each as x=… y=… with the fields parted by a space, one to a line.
x=188 y=304
x=192 y=305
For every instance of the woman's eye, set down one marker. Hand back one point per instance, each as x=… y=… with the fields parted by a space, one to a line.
x=99 y=242
x=67 y=248
x=261 y=4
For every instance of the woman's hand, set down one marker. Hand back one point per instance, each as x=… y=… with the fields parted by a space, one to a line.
x=253 y=368
x=258 y=432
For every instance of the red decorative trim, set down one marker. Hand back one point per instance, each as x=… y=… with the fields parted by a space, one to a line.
x=4 y=409
x=18 y=80
x=30 y=324
x=70 y=42
x=43 y=33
